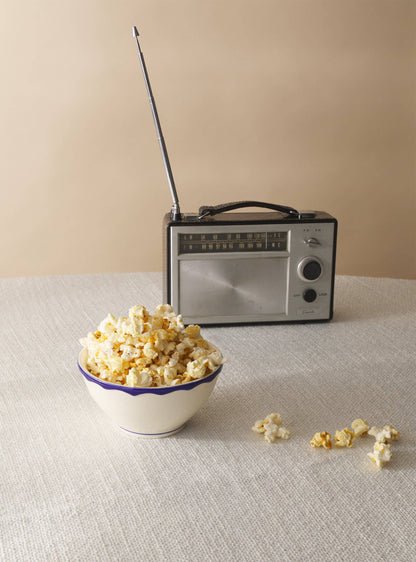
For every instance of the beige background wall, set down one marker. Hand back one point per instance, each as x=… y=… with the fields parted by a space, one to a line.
x=304 y=103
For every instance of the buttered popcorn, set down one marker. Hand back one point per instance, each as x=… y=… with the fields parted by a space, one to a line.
x=382 y=449
x=271 y=428
x=144 y=350
x=343 y=437
x=360 y=427
x=322 y=439
x=381 y=454
x=385 y=434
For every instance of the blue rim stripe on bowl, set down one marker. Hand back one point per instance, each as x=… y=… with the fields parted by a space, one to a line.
x=134 y=391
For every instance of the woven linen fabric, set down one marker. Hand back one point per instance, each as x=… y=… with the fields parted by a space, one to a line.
x=75 y=487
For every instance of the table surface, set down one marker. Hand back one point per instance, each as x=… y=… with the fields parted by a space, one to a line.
x=75 y=487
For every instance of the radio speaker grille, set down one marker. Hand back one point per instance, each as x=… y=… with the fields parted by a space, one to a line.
x=238 y=287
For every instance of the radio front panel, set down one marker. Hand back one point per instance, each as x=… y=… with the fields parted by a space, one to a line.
x=249 y=273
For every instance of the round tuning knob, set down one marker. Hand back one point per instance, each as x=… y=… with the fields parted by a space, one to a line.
x=310 y=269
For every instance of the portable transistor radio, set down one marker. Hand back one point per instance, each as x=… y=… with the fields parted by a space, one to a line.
x=222 y=267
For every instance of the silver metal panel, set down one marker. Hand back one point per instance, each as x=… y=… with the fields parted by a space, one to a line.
x=209 y=288
x=233 y=287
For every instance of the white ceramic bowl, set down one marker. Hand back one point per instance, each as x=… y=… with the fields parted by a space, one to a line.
x=148 y=412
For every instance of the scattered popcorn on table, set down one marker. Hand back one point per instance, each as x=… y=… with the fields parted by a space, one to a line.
x=360 y=427
x=322 y=439
x=258 y=426
x=343 y=438
x=271 y=427
x=381 y=454
x=385 y=434
x=382 y=448
x=144 y=350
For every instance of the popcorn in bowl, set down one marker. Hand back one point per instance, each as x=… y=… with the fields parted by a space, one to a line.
x=149 y=351
x=149 y=373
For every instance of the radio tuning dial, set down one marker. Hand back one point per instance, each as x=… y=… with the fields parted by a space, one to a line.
x=310 y=269
x=312 y=242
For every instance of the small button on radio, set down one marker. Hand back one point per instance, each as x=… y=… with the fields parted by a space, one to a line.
x=310 y=269
x=309 y=295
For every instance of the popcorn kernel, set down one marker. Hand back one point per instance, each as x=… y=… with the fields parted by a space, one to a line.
x=381 y=454
x=386 y=434
x=271 y=428
x=322 y=439
x=360 y=427
x=343 y=438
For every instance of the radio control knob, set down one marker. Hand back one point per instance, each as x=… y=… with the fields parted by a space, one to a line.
x=310 y=269
x=309 y=295
x=312 y=242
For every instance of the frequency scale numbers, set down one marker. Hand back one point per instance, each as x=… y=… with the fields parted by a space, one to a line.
x=208 y=242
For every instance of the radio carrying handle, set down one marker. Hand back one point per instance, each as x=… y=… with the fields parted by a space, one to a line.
x=209 y=211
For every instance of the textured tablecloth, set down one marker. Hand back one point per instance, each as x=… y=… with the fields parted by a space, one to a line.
x=75 y=487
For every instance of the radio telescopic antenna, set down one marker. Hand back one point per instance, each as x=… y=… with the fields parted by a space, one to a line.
x=175 y=211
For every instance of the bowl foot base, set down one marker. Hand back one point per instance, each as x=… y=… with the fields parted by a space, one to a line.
x=153 y=435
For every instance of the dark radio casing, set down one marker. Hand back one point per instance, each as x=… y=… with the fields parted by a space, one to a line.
x=250 y=267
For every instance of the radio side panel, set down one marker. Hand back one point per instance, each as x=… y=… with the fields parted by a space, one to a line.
x=334 y=256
